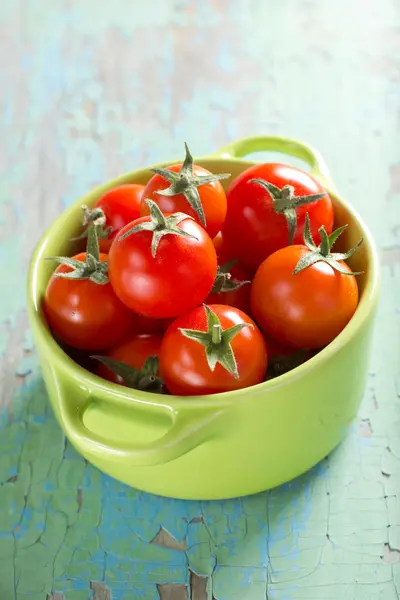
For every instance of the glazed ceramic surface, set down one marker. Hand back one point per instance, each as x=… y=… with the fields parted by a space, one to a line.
x=224 y=445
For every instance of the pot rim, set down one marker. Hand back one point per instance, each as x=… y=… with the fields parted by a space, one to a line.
x=149 y=400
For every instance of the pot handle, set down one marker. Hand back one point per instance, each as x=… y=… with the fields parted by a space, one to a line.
x=185 y=434
x=274 y=143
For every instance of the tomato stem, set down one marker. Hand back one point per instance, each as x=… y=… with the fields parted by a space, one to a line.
x=186 y=183
x=216 y=336
x=97 y=217
x=323 y=251
x=91 y=268
x=159 y=225
x=285 y=202
x=145 y=379
x=223 y=279
x=92 y=247
x=217 y=342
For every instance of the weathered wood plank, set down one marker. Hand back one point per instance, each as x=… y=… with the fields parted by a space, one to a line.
x=89 y=90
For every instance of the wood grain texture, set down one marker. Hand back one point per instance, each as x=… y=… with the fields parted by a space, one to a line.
x=91 y=89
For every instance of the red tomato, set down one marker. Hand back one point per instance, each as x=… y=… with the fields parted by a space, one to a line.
x=121 y=205
x=177 y=278
x=218 y=241
x=145 y=325
x=224 y=253
x=133 y=352
x=183 y=362
x=212 y=197
x=254 y=227
x=239 y=297
x=84 y=314
x=276 y=348
x=306 y=310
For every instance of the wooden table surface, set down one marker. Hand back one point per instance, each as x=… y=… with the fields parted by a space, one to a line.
x=90 y=89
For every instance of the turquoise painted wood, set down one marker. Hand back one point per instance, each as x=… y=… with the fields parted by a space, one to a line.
x=89 y=90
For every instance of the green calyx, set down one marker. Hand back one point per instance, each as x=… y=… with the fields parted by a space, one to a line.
x=91 y=268
x=217 y=342
x=186 y=183
x=323 y=251
x=98 y=218
x=145 y=379
x=285 y=202
x=159 y=225
x=223 y=281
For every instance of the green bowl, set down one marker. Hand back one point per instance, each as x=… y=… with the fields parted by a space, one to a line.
x=229 y=444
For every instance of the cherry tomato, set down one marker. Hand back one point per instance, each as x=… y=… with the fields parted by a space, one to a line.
x=255 y=225
x=212 y=197
x=121 y=205
x=224 y=253
x=218 y=242
x=276 y=348
x=306 y=310
x=239 y=297
x=177 y=278
x=83 y=314
x=133 y=352
x=145 y=325
x=184 y=365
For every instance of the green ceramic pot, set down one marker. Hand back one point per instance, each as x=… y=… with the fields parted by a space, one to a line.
x=225 y=445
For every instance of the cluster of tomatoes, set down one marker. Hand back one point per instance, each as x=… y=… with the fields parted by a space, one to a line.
x=187 y=289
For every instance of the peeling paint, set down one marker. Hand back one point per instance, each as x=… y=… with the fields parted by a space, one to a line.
x=390 y=555
x=365 y=428
x=198 y=587
x=168 y=591
x=100 y=591
x=165 y=540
